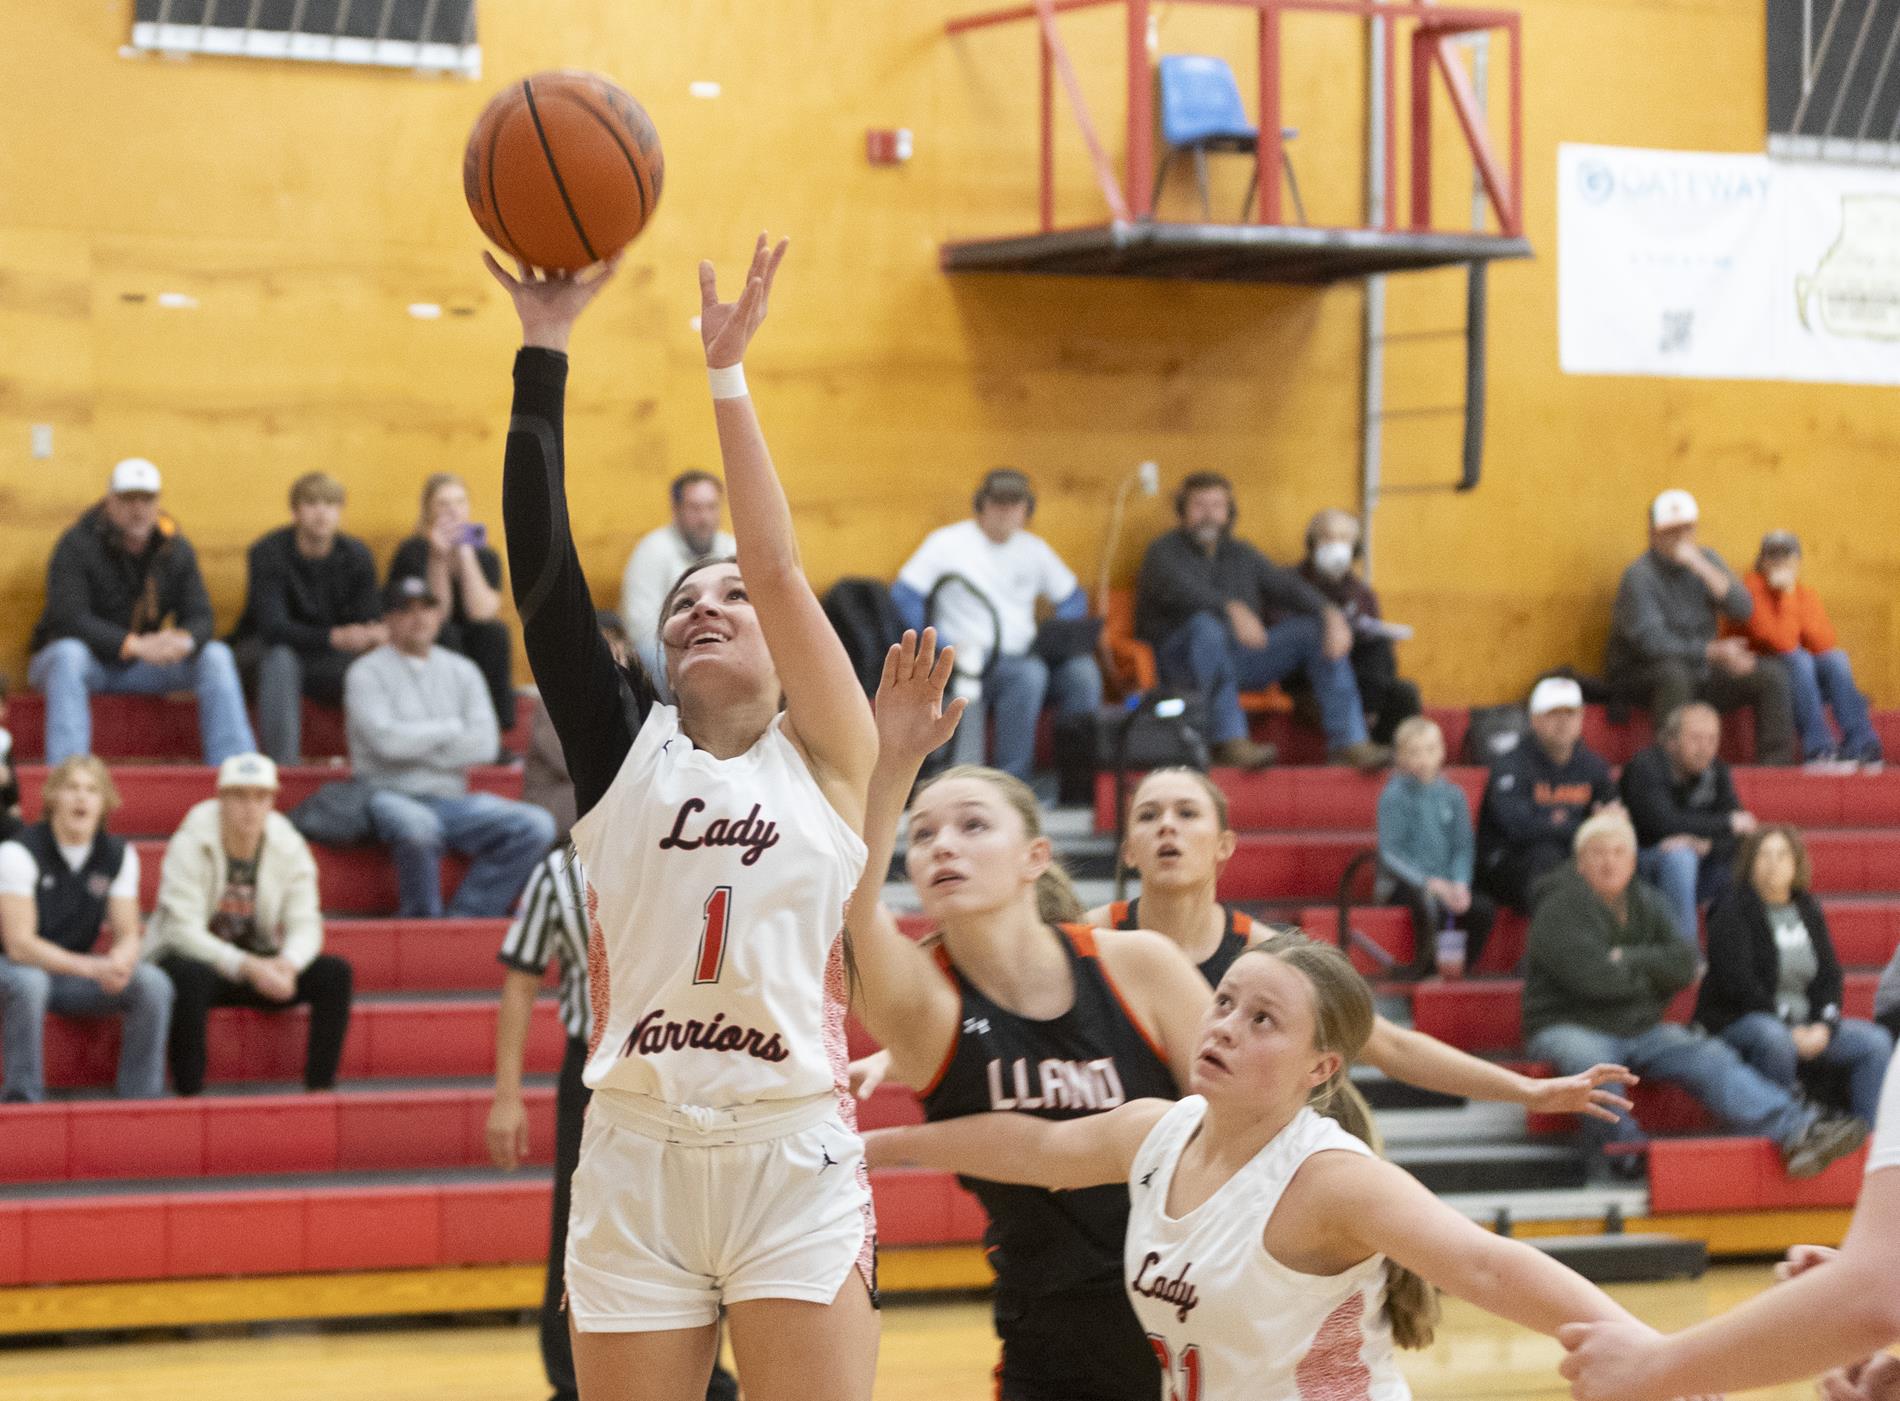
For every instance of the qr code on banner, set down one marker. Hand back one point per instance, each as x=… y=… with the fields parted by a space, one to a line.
x=1678 y=330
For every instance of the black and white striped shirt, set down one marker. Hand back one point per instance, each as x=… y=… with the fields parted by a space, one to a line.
x=551 y=922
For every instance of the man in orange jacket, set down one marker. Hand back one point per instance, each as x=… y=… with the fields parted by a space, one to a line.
x=1789 y=622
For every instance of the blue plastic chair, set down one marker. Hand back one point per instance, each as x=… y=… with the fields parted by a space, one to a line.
x=1201 y=111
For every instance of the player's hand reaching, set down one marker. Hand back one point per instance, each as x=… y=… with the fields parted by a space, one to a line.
x=549 y=303
x=912 y=720
x=1614 y=1362
x=727 y=327
x=1584 y=1094
x=868 y=1072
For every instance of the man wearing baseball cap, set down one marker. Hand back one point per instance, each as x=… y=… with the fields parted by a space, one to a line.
x=1664 y=649
x=127 y=612
x=237 y=924
x=1538 y=795
x=1790 y=623
x=418 y=718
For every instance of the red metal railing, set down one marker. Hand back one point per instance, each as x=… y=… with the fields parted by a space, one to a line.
x=1432 y=27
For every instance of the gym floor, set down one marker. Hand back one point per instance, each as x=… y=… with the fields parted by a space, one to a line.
x=932 y=1351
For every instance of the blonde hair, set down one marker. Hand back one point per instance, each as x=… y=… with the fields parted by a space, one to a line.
x=1213 y=790
x=316 y=486
x=435 y=482
x=1415 y=727
x=1599 y=826
x=63 y=773
x=1056 y=900
x=1342 y=1023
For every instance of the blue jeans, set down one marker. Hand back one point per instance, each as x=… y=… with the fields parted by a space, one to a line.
x=1686 y=880
x=502 y=839
x=1818 y=679
x=1013 y=695
x=68 y=673
x=1705 y=1066
x=1858 y=1050
x=1205 y=656
x=27 y=994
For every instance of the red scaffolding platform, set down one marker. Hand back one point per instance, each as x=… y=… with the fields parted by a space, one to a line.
x=1131 y=242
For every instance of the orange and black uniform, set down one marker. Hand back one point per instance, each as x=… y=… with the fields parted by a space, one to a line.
x=1060 y=1310
x=1126 y=914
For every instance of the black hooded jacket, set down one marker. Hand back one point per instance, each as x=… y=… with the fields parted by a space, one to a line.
x=99 y=594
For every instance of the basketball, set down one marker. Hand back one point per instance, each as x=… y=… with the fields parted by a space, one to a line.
x=563 y=169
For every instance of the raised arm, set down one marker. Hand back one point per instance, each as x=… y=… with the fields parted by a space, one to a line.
x=585 y=693
x=1019 y=1148
x=825 y=707
x=906 y=1004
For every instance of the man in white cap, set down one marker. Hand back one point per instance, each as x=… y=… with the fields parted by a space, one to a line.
x=127 y=611
x=1664 y=649
x=1539 y=794
x=237 y=924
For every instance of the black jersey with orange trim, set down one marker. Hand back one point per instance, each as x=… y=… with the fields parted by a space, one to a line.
x=1126 y=914
x=1060 y=1311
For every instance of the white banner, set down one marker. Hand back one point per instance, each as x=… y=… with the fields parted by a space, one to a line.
x=1726 y=267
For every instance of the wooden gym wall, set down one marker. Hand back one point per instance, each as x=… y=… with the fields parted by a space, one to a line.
x=304 y=208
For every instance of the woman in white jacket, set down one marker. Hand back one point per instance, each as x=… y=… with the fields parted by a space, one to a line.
x=237 y=924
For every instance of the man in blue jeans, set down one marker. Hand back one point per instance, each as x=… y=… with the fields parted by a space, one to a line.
x=1682 y=801
x=1199 y=601
x=418 y=717
x=127 y=613
x=1603 y=964
x=978 y=582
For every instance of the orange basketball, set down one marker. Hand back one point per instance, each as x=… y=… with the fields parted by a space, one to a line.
x=563 y=169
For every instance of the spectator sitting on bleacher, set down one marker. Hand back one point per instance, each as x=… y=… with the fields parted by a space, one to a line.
x=1887 y=996
x=994 y=571
x=1332 y=548
x=9 y=780
x=1789 y=622
x=237 y=924
x=1426 y=853
x=452 y=553
x=1538 y=793
x=665 y=553
x=1199 y=601
x=1773 y=989
x=311 y=607
x=127 y=612
x=418 y=717
x=1663 y=647
x=1681 y=798
x=545 y=781
x=60 y=880
x=1603 y=965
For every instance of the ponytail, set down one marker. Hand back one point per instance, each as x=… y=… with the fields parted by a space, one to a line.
x=1056 y=900
x=1343 y=1023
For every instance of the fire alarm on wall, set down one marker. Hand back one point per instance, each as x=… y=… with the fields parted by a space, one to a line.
x=887 y=145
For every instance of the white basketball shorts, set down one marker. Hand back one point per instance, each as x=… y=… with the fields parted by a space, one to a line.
x=678 y=1209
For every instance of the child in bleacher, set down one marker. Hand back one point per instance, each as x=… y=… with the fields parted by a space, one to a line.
x=1426 y=852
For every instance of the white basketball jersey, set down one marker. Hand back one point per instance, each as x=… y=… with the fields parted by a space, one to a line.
x=1224 y=1317
x=716 y=898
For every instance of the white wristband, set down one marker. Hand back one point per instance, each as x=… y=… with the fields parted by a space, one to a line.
x=727 y=381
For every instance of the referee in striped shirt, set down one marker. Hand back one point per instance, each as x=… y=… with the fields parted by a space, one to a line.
x=551 y=926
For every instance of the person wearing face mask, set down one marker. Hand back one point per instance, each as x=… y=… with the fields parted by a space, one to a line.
x=1200 y=600
x=1664 y=649
x=1790 y=623
x=1332 y=548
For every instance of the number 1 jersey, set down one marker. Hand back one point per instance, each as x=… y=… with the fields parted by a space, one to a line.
x=716 y=898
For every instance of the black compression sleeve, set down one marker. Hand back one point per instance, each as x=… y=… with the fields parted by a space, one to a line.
x=595 y=705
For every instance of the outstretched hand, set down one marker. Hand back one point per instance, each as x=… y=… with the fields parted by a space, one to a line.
x=1613 y=1362
x=727 y=327
x=549 y=303
x=912 y=719
x=1584 y=1094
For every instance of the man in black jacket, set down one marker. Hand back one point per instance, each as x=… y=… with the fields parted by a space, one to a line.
x=1199 y=601
x=1682 y=799
x=1538 y=795
x=312 y=608
x=126 y=611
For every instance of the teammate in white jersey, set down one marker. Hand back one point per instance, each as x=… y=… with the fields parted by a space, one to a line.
x=1843 y=1305
x=720 y=1166
x=1269 y=1253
